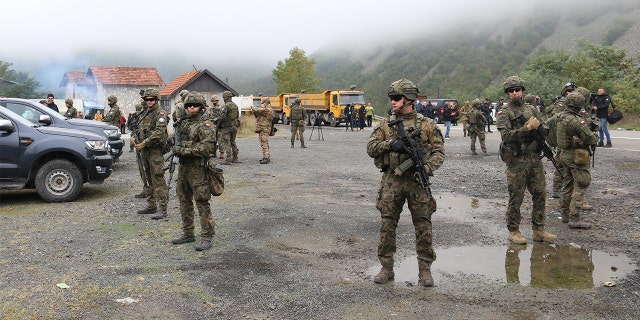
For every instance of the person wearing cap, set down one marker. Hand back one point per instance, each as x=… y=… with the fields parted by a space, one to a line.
x=264 y=121
x=71 y=110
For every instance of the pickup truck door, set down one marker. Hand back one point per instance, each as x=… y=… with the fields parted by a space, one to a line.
x=9 y=154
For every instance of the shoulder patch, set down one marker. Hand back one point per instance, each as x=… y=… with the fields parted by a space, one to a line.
x=500 y=112
x=207 y=124
x=583 y=122
x=161 y=119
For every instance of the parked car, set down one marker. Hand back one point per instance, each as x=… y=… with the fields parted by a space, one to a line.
x=38 y=113
x=55 y=161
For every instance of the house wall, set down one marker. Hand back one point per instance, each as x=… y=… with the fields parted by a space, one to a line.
x=128 y=96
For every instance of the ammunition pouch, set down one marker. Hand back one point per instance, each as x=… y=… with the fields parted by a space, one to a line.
x=508 y=152
x=581 y=157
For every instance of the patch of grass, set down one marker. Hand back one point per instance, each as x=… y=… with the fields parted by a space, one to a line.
x=247 y=126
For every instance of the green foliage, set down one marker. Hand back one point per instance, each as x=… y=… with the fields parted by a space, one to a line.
x=619 y=28
x=17 y=84
x=295 y=73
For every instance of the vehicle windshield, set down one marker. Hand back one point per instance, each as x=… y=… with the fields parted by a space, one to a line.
x=353 y=98
x=31 y=111
x=10 y=115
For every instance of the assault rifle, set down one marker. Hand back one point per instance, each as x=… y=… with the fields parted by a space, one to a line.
x=144 y=175
x=416 y=153
x=538 y=136
x=173 y=160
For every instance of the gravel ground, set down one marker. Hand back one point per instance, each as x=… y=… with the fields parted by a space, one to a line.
x=297 y=239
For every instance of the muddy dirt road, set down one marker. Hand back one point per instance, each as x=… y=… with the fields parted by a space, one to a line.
x=296 y=239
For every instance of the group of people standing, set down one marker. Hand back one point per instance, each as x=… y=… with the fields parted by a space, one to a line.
x=361 y=117
x=521 y=125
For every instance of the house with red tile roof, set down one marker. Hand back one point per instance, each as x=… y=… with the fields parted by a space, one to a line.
x=201 y=81
x=99 y=82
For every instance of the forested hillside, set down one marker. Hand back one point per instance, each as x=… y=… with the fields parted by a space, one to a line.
x=473 y=61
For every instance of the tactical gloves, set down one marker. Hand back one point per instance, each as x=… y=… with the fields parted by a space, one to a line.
x=532 y=123
x=397 y=145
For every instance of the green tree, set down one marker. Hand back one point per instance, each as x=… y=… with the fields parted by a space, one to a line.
x=295 y=73
x=17 y=84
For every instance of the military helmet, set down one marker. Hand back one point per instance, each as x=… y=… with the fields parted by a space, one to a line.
x=513 y=82
x=529 y=98
x=194 y=98
x=296 y=101
x=183 y=93
x=227 y=95
x=475 y=103
x=405 y=88
x=575 y=100
x=266 y=100
x=215 y=98
x=584 y=92
x=568 y=87
x=112 y=99
x=69 y=102
x=152 y=92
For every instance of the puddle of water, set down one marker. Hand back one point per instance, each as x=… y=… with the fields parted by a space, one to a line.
x=538 y=265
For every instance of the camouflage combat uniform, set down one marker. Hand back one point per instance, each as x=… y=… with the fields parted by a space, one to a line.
x=152 y=131
x=113 y=116
x=264 y=121
x=396 y=189
x=197 y=138
x=297 y=122
x=464 y=116
x=477 y=121
x=72 y=112
x=574 y=140
x=228 y=127
x=525 y=170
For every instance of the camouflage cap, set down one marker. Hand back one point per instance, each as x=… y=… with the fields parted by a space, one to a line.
x=266 y=100
x=69 y=102
x=529 y=98
x=476 y=102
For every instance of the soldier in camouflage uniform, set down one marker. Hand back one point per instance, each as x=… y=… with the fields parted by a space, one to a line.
x=297 y=122
x=71 y=110
x=264 y=121
x=197 y=142
x=521 y=153
x=464 y=116
x=477 y=121
x=179 y=111
x=228 y=125
x=388 y=152
x=152 y=132
x=213 y=113
x=574 y=140
x=113 y=116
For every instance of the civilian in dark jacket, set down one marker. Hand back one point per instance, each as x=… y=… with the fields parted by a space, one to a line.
x=600 y=105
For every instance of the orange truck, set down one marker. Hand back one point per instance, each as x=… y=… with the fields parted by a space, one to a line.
x=326 y=106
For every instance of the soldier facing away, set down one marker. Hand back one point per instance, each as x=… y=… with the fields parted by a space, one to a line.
x=197 y=139
x=477 y=121
x=297 y=122
x=228 y=126
x=389 y=151
x=521 y=154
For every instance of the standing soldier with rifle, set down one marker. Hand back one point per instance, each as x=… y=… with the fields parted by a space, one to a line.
x=575 y=138
x=197 y=138
x=406 y=162
x=520 y=151
x=213 y=113
x=133 y=129
x=297 y=122
x=152 y=134
x=228 y=125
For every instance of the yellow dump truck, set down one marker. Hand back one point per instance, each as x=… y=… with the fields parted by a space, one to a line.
x=326 y=106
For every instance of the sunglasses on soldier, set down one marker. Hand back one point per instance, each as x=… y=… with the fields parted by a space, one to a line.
x=395 y=97
x=512 y=90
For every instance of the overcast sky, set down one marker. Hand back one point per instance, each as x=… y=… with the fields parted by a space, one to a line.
x=259 y=29
x=39 y=33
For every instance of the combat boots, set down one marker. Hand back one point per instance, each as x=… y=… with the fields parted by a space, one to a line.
x=303 y=146
x=425 y=279
x=161 y=214
x=516 y=237
x=265 y=161
x=184 y=239
x=543 y=236
x=203 y=245
x=385 y=274
x=148 y=210
x=292 y=144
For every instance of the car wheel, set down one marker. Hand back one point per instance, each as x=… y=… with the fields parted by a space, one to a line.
x=58 y=181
